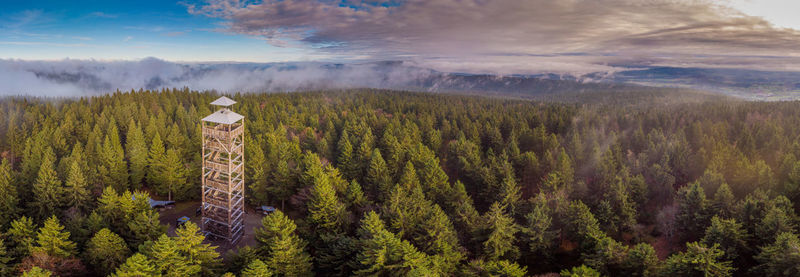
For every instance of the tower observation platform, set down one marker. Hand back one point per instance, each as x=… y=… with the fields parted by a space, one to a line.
x=223 y=173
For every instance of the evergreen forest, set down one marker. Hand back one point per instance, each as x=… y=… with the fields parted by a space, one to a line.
x=373 y=182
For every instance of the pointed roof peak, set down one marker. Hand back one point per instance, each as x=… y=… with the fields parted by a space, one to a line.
x=223 y=101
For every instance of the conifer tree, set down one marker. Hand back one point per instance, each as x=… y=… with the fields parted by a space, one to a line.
x=155 y=160
x=9 y=199
x=692 y=217
x=20 y=237
x=37 y=272
x=256 y=268
x=378 y=179
x=509 y=196
x=173 y=176
x=384 y=254
x=580 y=271
x=5 y=260
x=729 y=235
x=137 y=265
x=775 y=222
x=408 y=177
x=697 y=260
x=137 y=153
x=724 y=201
x=500 y=242
x=76 y=188
x=354 y=195
x=281 y=249
x=113 y=168
x=345 y=159
x=106 y=251
x=780 y=258
x=541 y=239
x=437 y=237
x=257 y=173
x=167 y=259
x=494 y=268
x=325 y=211
x=53 y=240
x=47 y=191
x=190 y=243
x=145 y=226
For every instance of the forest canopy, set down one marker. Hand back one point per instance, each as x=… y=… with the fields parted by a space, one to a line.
x=375 y=182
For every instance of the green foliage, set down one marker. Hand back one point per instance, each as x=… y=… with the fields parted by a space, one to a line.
x=325 y=212
x=383 y=253
x=137 y=153
x=155 y=159
x=500 y=242
x=190 y=244
x=37 y=272
x=113 y=169
x=580 y=183
x=729 y=235
x=9 y=199
x=781 y=258
x=5 y=260
x=257 y=268
x=137 y=265
x=724 y=202
x=53 y=240
x=580 y=271
x=168 y=260
x=692 y=217
x=697 y=260
x=20 y=237
x=502 y=268
x=281 y=249
x=47 y=191
x=76 y=189
x=106 y=251
x=378 y=178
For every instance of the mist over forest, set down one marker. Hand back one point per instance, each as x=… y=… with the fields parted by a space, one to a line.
x=69 y=78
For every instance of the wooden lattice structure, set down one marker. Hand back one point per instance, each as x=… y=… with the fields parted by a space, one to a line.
x=223 y=173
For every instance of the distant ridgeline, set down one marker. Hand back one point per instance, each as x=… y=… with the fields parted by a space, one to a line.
x=650 y=182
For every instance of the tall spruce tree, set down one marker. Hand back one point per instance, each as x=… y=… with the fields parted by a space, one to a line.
x=501 y=237
x=106 y=251
x=378 y=179
x=155 y=161
x=76 y=188
x=325 y=212
x=384 y=254
x=345 y=159
x=9 y=199
x=173 y=176
x=256 y=268
x=53 y=240
x=20 y=238
x=47 y=191
x=281 y=249
x=137 y=265
x=190 y=244
x=113 y=169
x=136 y=151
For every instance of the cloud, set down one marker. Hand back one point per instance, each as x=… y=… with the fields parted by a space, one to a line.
x=87 y=77
x=126 y=39
x=463 y=31
x=103 y=15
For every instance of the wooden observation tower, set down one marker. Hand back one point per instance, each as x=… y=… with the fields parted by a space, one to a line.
x=223 y=173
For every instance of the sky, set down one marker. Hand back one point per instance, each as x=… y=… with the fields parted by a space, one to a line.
x=475 y=36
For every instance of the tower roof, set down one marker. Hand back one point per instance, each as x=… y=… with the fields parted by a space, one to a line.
x=223 y=101
x=223 y=116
